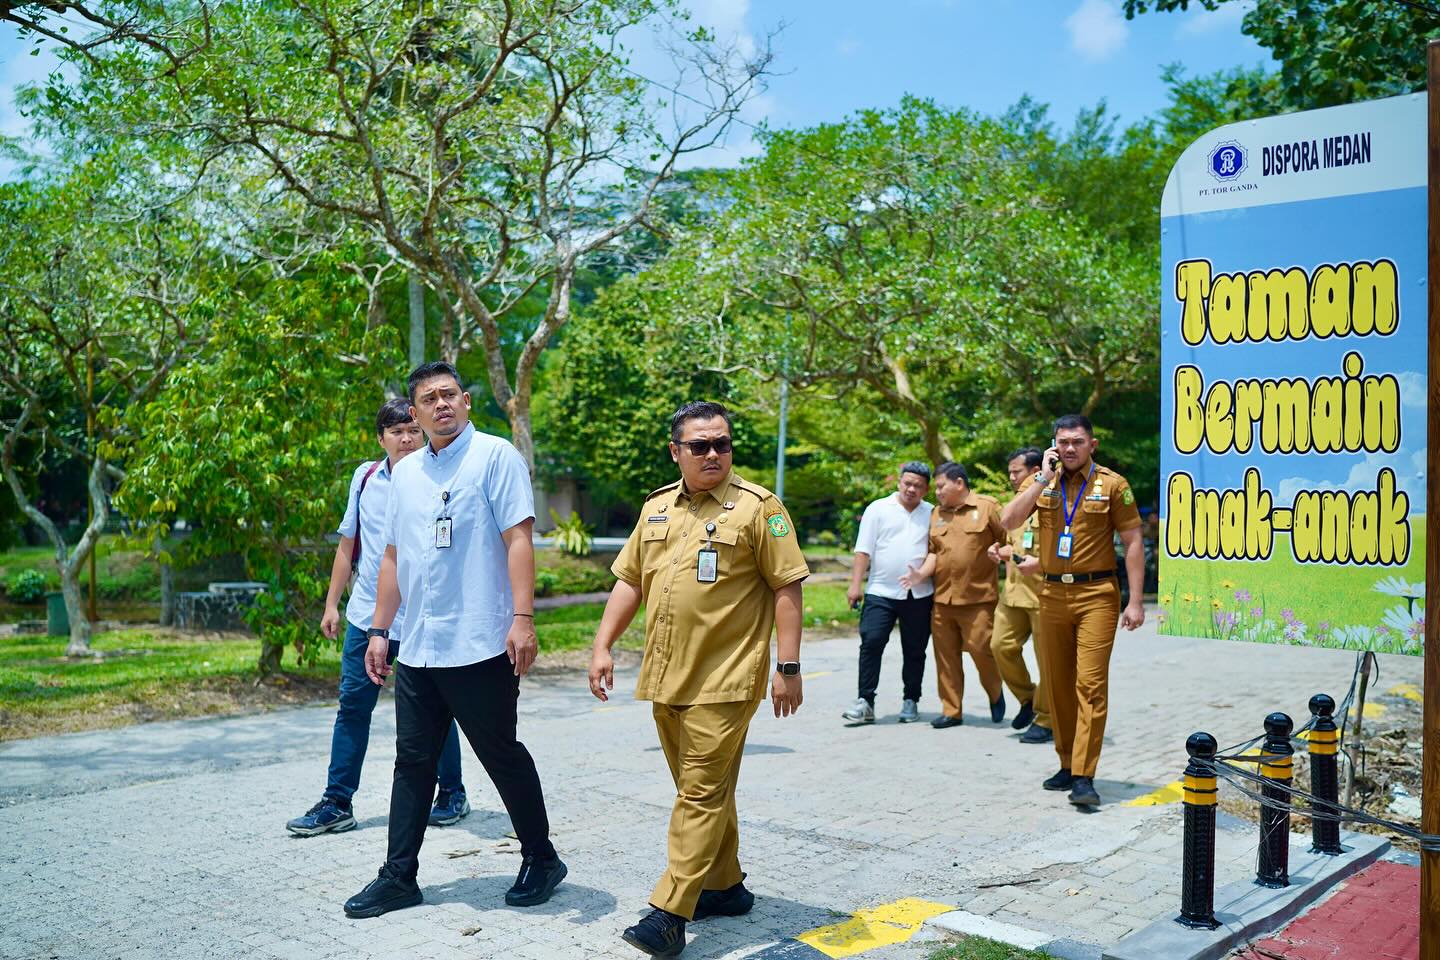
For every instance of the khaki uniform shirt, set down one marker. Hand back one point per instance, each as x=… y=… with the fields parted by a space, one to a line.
x=709 y=642
x=959 y=539
x=1107 y=506
x=1022 y=591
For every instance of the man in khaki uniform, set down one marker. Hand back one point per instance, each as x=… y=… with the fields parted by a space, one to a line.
x=1080 y=510
x=716 y=561
x=963 y=527
x=1017 y=615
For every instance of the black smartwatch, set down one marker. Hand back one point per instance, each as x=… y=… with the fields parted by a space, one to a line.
x=790 y=668
x=377 y=632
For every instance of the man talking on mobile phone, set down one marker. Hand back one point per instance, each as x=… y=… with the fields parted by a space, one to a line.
x=1081 y=507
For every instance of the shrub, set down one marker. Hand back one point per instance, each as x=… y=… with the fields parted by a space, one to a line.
x=26 y=586
x=572 y=535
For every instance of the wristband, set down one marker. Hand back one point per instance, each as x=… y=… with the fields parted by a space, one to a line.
x=530 y=615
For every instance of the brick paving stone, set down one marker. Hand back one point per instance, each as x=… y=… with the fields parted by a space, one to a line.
x=834 y=819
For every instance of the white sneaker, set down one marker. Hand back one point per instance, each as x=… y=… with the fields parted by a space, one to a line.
x=860 y=712
x=909 y=711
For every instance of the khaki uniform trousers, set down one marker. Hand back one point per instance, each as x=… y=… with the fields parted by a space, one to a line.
x=1013 y=626
x=702 y=743
x=957 y=629
x=1077 y=633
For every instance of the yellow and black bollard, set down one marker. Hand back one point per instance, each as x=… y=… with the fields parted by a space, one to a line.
x=1197 y=881
x=1324 y=744
x=1277 y=757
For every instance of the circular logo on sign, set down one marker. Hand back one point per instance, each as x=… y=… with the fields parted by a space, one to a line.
x=1228 y=160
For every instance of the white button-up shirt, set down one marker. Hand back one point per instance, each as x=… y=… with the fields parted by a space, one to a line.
x=894 y=538
x=369 y=517
x=458 y=597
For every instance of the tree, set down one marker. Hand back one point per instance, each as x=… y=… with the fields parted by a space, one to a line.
x=1332 y=51
x=254 y=439
x=491 y=148
x=912 y=254
x=97 y=305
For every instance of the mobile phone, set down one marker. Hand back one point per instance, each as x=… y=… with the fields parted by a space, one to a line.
x=1054 y=459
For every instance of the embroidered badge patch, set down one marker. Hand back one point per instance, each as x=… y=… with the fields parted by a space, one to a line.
x=1129 y=497
x=778 y=526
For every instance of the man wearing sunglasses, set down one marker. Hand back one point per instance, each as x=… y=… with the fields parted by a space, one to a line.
x=716 y=562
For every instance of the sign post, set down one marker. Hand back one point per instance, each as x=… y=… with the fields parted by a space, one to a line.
x=1430 y=792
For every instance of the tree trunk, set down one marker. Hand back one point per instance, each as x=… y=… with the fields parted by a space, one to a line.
x=269 y=664
x=167 y=595
x=417 y=321
x=79 y=645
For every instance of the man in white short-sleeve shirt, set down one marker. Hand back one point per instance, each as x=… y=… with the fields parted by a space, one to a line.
x=893 y=539
x=460 y=556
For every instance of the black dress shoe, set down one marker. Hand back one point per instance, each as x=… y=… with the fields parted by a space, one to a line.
x=659 y=933
x=1023 y=718
x=942 y=721
x=535 y=882
x=1061 y=781
x=385 y=893
x=1037 y=734
x=1083 y=794
x=997 y=709
x=733 y=901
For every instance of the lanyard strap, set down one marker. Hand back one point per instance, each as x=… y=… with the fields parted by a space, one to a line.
x=1065 y=499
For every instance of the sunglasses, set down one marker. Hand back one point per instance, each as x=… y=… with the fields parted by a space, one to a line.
x=702 y=448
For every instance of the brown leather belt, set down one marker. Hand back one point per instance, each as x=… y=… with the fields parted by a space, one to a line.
x=1079 y=577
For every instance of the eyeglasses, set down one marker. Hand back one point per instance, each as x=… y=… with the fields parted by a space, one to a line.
x=702 y=448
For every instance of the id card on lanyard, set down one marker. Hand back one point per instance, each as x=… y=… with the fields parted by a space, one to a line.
x=443 y=523
x=707 y=563
x=1066 y=541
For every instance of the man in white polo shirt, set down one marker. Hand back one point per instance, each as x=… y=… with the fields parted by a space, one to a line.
x=459 y=553
x=894 y=536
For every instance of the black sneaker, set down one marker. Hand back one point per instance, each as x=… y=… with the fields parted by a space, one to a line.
x=997 y=709
x=659 y=933
x=327 y=816
x=1037 y=734
x=733 y=901
x=943 y=721
x=1023 y=718
x=1083 y=794
x=385 y=893
x=536 y=880
x=1061 y=781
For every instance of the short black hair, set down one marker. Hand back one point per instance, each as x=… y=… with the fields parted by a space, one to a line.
x=917 y=468
x=1074 y=421
x=392 y=414
x=698 y=410
x=951 y=470
x=1034 y=456
x=425 y=371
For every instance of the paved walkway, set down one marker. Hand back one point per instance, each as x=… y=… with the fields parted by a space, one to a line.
x=167 y=840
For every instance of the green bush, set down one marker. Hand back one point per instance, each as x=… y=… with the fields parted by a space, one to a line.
x=26 y=586
x=545 y=581
x=572 y=535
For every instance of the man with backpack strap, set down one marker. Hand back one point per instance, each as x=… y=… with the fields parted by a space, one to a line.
x=361 y=545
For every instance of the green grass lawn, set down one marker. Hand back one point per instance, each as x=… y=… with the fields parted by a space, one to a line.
x=979 y=948
x=150 y=674
x=119 y=574
x=1283 y=601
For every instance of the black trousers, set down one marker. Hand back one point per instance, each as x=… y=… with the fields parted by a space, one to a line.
x=481 y=698
x=877 y=619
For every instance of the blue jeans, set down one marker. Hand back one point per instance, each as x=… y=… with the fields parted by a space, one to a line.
x=358 y=695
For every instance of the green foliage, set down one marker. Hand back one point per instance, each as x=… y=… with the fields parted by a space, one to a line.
x=983 y=948
x=1330 y=51
x=253 y=442
x=560 y=574
x=26 y=586
x=572 y=534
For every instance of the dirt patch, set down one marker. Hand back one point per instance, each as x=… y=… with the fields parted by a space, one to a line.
x=1387 y=776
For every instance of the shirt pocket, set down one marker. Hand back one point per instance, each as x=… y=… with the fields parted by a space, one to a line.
x=654 y=544
x=725 y=542
x=1096 y=509
x=1047 y=511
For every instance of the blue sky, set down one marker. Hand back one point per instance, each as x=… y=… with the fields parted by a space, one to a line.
x=838 y=56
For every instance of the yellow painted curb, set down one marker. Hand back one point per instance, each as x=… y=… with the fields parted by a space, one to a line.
x=881 y=926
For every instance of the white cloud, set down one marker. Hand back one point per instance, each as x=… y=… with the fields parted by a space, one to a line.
x=1412 y=389
x=727 y=19
x=1227 y=17
x=1409 y=477
x=1097 y=29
